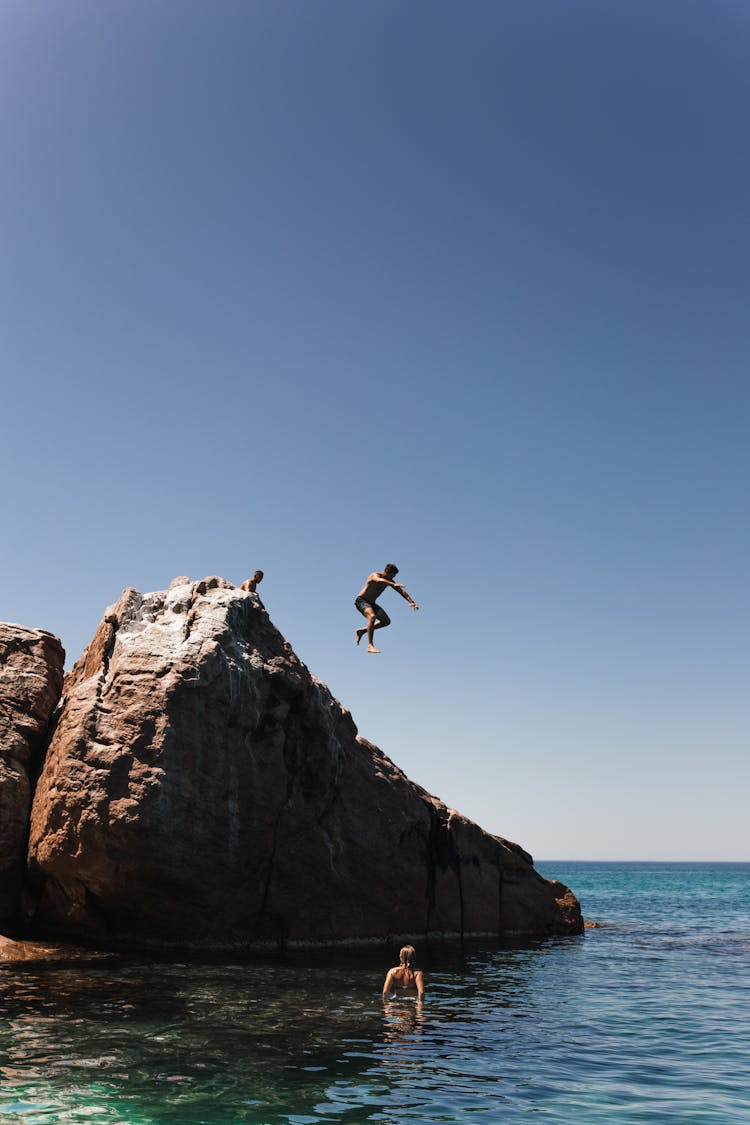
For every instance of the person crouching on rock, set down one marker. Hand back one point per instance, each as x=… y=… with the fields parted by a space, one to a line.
x=404 y=977
x=250 y=583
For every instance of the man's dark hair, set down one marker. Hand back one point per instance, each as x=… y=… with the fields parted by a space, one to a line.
x=392 y=567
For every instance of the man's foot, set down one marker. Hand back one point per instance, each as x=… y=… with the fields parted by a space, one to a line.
x=371 y=648
x=361 y=633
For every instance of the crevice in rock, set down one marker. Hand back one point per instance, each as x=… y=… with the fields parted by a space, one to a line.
x=39 y=753
x=271 y=860
x=95 y=912
x=107 y=650
x=38 y=748
x=303 y=755
x=441 y=853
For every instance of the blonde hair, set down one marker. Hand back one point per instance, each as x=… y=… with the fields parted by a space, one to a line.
x=405 y=956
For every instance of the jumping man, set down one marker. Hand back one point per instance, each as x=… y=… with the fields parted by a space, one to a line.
x=365 y=602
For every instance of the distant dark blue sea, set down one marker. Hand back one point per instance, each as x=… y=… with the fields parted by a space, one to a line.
x=646 y=1018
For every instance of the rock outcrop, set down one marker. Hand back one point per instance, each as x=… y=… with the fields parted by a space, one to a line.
x=31 y=677
x=203 y=789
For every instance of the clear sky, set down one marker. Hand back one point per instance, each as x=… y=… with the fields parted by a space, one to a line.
x=314 y=286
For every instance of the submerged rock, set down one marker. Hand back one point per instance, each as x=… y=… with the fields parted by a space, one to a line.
x=203 y=789
x=12 y=951
x=31 y=677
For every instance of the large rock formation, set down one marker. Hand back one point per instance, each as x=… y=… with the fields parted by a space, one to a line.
x=31 y=677
x=203 y=789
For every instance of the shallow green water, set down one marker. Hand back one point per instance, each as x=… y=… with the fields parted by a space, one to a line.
x=643 y=1020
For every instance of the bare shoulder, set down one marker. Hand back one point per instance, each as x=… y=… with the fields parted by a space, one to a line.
x=388 y=981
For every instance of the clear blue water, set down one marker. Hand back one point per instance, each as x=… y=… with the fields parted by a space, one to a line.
x=644 y=1019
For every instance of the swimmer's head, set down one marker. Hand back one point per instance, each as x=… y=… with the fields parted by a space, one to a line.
x=407 y=954
x=390 y=570
x=258 y=576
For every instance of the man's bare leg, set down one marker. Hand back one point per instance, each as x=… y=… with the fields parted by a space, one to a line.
x=372 y=625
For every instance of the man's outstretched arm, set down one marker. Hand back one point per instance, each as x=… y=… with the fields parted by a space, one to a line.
x=404 y=594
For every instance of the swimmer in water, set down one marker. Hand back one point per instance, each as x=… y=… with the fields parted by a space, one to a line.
x=404 y=977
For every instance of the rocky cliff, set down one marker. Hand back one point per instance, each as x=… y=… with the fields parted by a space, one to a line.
x=203 y=789
x=31 y=677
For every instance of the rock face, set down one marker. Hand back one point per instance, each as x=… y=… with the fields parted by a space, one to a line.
x=203 y=789
x=31 y=677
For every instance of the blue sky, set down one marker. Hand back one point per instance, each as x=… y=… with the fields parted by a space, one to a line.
x=314 y=286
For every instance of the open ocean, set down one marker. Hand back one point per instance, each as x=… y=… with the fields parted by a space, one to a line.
x=644 y=1019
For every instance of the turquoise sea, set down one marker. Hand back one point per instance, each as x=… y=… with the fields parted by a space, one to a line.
x=646 y=1018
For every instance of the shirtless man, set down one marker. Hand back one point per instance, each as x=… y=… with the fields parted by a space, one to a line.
x=250 y=583
x=365 y=602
